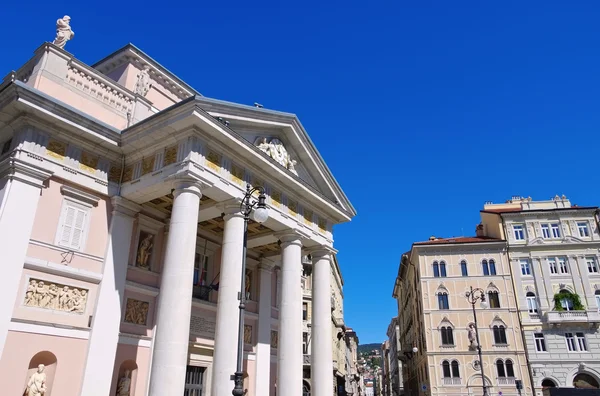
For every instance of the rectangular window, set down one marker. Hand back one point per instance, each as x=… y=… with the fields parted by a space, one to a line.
x=494 y=300
x=463 y=268
x=525 y=267
x=194 y=381
x=305 y=343
x=570 y=342
x=443 y=301
x=200 y=270
x=532 y=304
x=555 y=227
x=563 y=268
x=519 y=232
x=583 y=229
x=304 y=311
x=73 y=225
x=592 y=265
x=598 y=301
x=545 y=231
x=540 y=342
x=580 y=338
x=552 y=265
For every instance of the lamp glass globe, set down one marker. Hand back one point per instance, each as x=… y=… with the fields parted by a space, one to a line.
x=484 y=305
x=260 y=215
x=415 y=349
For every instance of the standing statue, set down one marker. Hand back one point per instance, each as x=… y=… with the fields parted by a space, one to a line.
x=124 y=385
x=36 y=386
x=248 y=283
x=472 y=337
x=142 y=85
x=63 y=32
x=144 y=252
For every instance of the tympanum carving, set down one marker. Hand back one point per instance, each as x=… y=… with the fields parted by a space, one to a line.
x=55 y=296
x=275 y=149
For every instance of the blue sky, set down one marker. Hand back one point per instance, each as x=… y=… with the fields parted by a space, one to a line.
x=423 y=110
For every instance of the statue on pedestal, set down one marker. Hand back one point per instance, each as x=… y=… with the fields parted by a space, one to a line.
x=124 y=384
x=472 y=338
x=36 y=386
x=63 y=32
x=144 y=251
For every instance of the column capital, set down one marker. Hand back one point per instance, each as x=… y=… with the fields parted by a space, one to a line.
x=17 y=169
x=290 y=237
x=321 y=252
x=188 y=181
x=231 y=207
x=124 y=206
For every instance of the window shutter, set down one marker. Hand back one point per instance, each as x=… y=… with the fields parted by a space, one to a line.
x=72 y=229
x=67 y=226
x=78 y=228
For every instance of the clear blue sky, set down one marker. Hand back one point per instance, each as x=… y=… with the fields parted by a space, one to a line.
x=423 y=110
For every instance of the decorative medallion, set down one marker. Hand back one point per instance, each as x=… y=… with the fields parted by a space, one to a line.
x=55 y=296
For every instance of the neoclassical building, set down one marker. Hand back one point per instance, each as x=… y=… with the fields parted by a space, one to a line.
x=122 y=234
x=435 y=316
x=554 y=257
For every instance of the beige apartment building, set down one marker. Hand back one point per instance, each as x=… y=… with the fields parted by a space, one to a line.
x=434 y=316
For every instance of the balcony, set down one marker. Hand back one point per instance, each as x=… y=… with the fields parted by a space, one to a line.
x=451 y=381
x=506 y=381
x=566 y=317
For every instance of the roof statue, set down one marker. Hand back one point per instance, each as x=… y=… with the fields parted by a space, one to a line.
x=274 y=148
x=142 y=84
x=63 y=32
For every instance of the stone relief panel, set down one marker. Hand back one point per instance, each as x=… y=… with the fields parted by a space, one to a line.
x=203 y=326
x=145 y=248
x=55 y=296
x=274 y=339
x=247 y=334
x=136 y=312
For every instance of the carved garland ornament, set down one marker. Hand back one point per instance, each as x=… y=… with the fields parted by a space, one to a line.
x=274 y=148
x=55 y=296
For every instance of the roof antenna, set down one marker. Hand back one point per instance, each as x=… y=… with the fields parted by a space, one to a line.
x=258 y=105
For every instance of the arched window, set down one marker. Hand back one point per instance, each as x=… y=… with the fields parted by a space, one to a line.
x=486 y=267
x=443 y=300
x=505 y=368
x=463 y=269
x=531 y=302
x=585 y=381
x=493 y=299
x=510 y=372
x=492 y=267
x=500 y=368
x=443 y=269
x=548 y=383
x=455 y=369
x=499 y=334
x=566 y=301
x=447 y=336
x=436 y=269
x=446 y=369
x=305 y=388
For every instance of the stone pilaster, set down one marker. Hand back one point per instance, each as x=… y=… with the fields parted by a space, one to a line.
x=263 y=346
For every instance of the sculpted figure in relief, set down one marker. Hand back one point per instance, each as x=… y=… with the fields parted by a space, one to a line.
x=136 y=312
x=36 y=386
x=142 y=85
x=64 y=32
x=472 y=337
x=124 y=385
x=55 y=297
x=144 y=251
x=276 y=150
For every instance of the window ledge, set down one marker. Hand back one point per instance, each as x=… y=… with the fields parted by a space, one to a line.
x=80 y=196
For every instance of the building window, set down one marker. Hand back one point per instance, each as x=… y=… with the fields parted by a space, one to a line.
x=450 y=370
x=443 y=301
x=540 y=342
x=505 y=369
x=493 y=299
x=486 y=267
x=570 y=342
x=531 y=302
x=463 y=268
x=492 y=267
x=592 y=265
x=73 y=224
x=500 y=368
x=194 y=381
x=525 y=267
x=584 y=231
x=598 y=299
x=566 y=302
x=305 y=343
x=580 y=339
x=304 y=311
x=552 y=265
x=499 y=334
x=546 y=231
x=563 y=268
x=519 y=232
x=436 y=269
x=447 y=336
x=555 y=228
x=443 y=269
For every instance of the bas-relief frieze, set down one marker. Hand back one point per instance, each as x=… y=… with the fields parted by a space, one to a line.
x=247 y=334
x=54 y=296
x=136 y=312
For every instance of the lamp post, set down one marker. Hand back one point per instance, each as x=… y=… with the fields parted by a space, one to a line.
x=260 y=213
x=473 y=296
x=408 y=355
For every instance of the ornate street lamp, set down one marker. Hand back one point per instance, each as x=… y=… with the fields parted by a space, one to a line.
x=260 y=214
x=473 y=296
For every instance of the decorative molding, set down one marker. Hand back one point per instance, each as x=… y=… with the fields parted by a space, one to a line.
x=150 y=223
x=141 y=289
x=49 y=267
x=133 y=339
x=79 y=196
x=52 y=330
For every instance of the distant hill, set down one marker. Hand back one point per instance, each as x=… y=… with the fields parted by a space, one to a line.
x=368 y=347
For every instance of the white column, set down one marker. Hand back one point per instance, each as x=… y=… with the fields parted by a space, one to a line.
x=230 y=279
x=20 y=189
x=322 y=348
x=542 y=282
x=584 y=281
x=104 y=337
x=171 y=340
x=263 y=347
x=289 y=353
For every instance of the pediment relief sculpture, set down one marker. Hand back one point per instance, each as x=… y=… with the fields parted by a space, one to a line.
x=55 y=296
x=275 y=149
